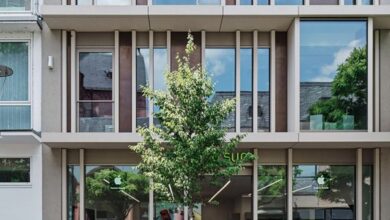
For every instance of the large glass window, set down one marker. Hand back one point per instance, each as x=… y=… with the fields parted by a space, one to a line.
x=14 y=170
x=95 y=97
x=186 y=2
x=324 y=192
x=220 y=64
x=368 y=189
x=160 y=66
x=15 y=5
x=246 y=86
x=115 y=192
x=263 y=89
x=333 y=77
x=324 y=2
x=272 y=191
x=15 y=105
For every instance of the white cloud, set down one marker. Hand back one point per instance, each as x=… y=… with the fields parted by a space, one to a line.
x=328 y=71
x=216 y=62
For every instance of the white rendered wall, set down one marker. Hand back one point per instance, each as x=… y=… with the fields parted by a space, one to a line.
x=23 y=202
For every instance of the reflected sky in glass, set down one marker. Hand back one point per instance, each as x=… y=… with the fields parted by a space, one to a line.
x=186 y=2
x=160 y=66
x=288 y=2
x=325 y=45
x=263 y=60
x=220 y=64
x=246 y=69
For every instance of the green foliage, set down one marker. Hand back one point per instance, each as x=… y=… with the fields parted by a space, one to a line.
x=100 y=186
x=349 y=91
x=189 y=144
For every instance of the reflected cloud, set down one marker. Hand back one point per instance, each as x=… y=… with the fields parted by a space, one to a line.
x=328 y=71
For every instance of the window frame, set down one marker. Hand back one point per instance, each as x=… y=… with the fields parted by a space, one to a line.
x=19 y=184
x=78 y=101
x=27 y=102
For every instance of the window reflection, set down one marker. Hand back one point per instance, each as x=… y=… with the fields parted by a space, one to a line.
x=95 y=92
x=142 y=112
x=15 y=5
x=263 y=89
x=73 y=192
x=324 y=2
x=186 y=2
x=14 y=170
x=115 y=192
x=263 y=2
x=324 y=192
x=220 y=64
x=160 y=66
x=272 y=199
x=246 y=94
x=333 y=65
x=288 y=2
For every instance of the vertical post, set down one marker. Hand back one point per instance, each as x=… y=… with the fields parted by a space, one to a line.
x=273 y=81
x=377 y=165
x=358 y=2
x=289 y=184
x=151 y=74
x=169 y=49
x=203 y=49
x=377 y=82
x=64 y=80
x=255 y=183
x=370 y=72
x=238 y=74
x=116 y=81
x=133 y=79
x=341 y=2
x=73 y=80
x=359 y=184
x=82 y=185
x=151 y=202
x=272 y=2
x=376 y=2
x=307 y=2
x=255 y=79
x=64 y=183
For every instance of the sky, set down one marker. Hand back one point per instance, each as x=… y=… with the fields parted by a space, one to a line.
x=327 y=44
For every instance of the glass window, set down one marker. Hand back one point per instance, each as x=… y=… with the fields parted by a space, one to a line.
x=324 y=2
x=95 y=102
x=288 y=2
x=15 y=5
x=366 y=2
x=324 y=192
x=73 y=192
x=14 y=170
x=385 y=2
x=186 y=2
x=246 y=2
x=103 y=2
x=263 y=89
x=349 y=2
x=15 y=108
x=160 y=66
x=333 y=82
x=220 y=64
x=142 y=80
x=368 y=190
x=272 y=189
x=246 y=86
x=115 y=192
x=263 y=2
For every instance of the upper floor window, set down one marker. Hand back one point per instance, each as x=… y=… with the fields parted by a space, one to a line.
x=95 y=96
x=333 y=78
x=15 y=5
x=186 y=2
x=14 y=170
x=103 y=2
x=15 y=103
x=288 y=2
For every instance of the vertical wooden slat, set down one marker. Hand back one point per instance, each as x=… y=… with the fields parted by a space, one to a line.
x=125 y=82
x=178 y=45
x=281 y=81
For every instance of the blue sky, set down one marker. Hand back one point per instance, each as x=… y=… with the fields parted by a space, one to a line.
x=325 y=45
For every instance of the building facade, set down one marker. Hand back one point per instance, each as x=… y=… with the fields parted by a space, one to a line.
x=311 y=78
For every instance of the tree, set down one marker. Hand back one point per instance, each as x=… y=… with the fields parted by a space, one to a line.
x=349 y=91
x=122 y=195
x=189 y=144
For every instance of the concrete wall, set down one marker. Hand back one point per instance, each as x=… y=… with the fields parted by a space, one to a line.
x=384 y=80
x=385 y=184
x=51 y=81
x=23 y=202
x=51 y=175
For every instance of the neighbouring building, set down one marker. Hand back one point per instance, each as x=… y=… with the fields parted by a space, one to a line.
x=311 y=78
